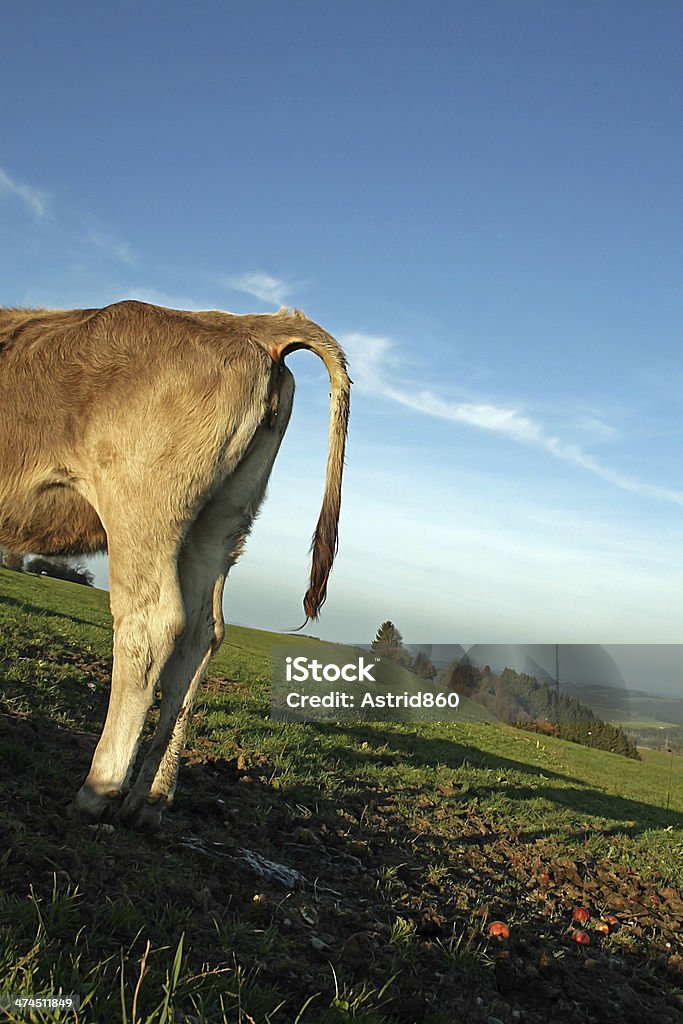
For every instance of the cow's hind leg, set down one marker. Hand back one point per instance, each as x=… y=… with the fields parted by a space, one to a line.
x=203 y=566
x=213 y=545
x=149 y=617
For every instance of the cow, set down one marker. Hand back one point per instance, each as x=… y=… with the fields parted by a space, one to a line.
x=151 y=433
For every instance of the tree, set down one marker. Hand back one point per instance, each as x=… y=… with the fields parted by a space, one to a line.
x=387 y=636
x=423 y=666
x=10 y=560
x=463 y=677
x=61 y=569
x=388 y=643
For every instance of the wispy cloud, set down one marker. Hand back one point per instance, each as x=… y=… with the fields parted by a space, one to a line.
x=38 y=202
x=36 y=199
x=111 y=246
x=595 y=426
x=261 y=285
x=376 y=367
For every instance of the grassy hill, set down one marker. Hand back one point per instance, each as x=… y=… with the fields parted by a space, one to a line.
x=320 y=873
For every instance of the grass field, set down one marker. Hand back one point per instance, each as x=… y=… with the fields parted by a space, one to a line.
x=627 y=719
x=402 y=842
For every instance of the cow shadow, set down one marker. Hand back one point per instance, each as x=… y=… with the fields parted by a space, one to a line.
x=49 y=613
x=387 y=748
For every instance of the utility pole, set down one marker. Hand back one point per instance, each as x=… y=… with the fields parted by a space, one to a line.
x=557 y=684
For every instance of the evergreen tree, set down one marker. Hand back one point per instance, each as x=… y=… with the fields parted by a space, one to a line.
x=388 y=643
x=387 y=637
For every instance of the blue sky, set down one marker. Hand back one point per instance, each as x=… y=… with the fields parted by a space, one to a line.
x=482 y=201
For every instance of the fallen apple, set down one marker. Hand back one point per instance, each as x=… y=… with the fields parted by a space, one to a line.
x=499 y=930
x=581 y=915
x=581 y=937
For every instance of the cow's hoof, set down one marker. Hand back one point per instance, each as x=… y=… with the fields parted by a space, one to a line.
x=89 y=807
x=143 y=814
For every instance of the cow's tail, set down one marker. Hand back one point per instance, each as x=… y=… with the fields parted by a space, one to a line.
x=295 y=331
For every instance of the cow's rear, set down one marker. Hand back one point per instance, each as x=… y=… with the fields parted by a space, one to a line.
x=153 y=432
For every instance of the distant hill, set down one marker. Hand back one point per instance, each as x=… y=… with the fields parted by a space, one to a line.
x=624 y=705
x=589 y=675
x=520 y=699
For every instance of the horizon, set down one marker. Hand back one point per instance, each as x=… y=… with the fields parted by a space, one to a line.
x=654 y=669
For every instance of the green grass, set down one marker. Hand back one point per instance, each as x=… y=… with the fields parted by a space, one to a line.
x=664 y=761
x=410 y=836
x=626 y=719
x=648 y=723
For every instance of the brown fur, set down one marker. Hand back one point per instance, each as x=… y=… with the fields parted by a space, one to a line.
x=151 y=432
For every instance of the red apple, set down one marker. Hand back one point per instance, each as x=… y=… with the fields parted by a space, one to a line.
x=581 y=937
x=499 y=930
x=581 y=915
